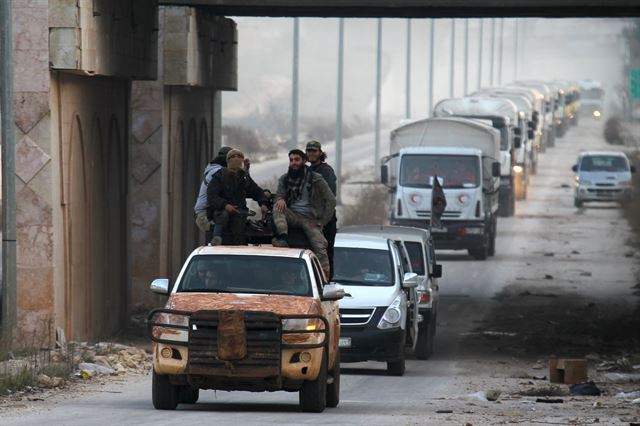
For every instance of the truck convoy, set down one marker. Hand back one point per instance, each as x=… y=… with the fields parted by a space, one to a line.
x=465 y=155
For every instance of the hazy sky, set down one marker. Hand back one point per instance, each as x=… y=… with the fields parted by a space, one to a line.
x=548 y=49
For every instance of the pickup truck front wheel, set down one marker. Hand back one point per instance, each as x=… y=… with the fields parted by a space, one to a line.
x=188 y=395
x=163 y=394
x=313 y=393
x=333 y=388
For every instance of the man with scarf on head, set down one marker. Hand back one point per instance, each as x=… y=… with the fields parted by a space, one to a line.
x=227 y=196
x=203 y=220
x=317 y=160
x=304 y=200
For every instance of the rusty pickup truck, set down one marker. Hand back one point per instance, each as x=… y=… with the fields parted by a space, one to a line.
x=247 y=318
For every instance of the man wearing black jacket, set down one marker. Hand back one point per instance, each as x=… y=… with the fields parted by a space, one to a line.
x=317 y=157
x=227 y=198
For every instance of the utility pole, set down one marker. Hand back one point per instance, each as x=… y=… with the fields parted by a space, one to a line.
x=515 y=50
x=339 y=111
x=431 y=65
x=407 y=110
x=493 y=43
x=295 y=82
x=466 y=57
x=7 y=137
x=453 y=57
x=376 y=152
x=501 y=51
x=480 y=47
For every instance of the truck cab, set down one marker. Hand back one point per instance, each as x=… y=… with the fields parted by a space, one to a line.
x=503 y=115
x=379 y=313
x=247 y=318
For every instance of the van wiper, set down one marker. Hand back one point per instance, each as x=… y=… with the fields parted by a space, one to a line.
x=356 y=282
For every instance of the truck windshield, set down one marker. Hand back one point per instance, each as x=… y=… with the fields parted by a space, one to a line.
x=604 y=163
x=246 y=274
x=454 y=171
x=358 y=266
x=595 y=93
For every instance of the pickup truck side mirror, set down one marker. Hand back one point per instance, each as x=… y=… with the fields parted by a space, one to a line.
x=437 y=271
x=495 y=169
x=160 y=286
x=633 y=169
x=575 y=168
x=332 y=292
x=410 y=280
x=384 y=174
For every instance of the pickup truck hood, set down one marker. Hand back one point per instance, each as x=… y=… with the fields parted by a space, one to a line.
x=605 y=177
x=281 y=305
x=368 y=296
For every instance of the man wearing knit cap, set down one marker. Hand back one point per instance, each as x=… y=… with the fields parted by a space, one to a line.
x=227 y=193
x=203 y=220
x=317 y=160
x=304 y=200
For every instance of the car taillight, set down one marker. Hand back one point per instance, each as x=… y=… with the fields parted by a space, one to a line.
x=425 y=298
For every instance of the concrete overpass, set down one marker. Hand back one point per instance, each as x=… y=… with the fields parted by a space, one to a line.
x=417 y=8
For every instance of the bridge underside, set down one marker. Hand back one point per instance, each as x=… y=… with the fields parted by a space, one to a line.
x=417 y=8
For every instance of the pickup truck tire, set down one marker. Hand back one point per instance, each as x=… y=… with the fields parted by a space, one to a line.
x=163 y=394
x=188 y=395
x=577 y=203
x=333 y=389
x=313 y=393
x=396 y=368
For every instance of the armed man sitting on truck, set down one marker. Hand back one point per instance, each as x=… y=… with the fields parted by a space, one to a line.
x=227 y=197
x=304 y=200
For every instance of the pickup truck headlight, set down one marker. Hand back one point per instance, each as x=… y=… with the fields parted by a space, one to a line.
x=308 y=324
x=392 y=317
x=165 y=330
x=585 y=183
x=624 y=183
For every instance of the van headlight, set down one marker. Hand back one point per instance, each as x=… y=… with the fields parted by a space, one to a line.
x=392 y=317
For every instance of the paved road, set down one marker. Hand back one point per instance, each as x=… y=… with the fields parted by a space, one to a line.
x=548 y=246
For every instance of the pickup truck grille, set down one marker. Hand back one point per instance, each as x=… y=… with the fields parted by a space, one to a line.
x=263 y=340
x=355 y=316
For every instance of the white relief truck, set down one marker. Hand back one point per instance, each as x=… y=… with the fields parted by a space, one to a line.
x=465 y=156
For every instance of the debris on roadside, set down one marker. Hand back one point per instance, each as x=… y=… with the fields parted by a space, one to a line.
x=585 y=389
x=623 y=377
x=550 y=400
x=628 y=395
x=548 y=277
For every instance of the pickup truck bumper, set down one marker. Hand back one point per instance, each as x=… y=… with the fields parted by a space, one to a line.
x=453 y=235
x=370 y=344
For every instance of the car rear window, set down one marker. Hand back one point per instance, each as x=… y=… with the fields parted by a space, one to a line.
x=246 y=274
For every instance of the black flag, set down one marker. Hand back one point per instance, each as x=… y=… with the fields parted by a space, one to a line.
x=438 y=203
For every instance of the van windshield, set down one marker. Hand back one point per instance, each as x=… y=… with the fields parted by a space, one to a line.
x=604 y=163
x=246 y=274
x=454 y=171
x=358 y=266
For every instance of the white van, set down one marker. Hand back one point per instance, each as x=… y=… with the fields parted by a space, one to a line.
x=602 y=176
x=419 y=248
x=379 y=312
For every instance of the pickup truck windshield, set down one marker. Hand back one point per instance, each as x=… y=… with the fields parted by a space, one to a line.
x=604 y=163
x=357 y=266
x=246 y=274
x=454 y=171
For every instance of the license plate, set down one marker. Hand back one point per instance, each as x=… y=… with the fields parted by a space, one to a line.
x=344 y=342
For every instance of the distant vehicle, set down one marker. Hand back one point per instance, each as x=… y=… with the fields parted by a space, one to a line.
x=465 y=155
x=550 y=94
x=247 y=318
x=421 y=260
x=379 y=314
x=602 y=176
x=591 y=98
